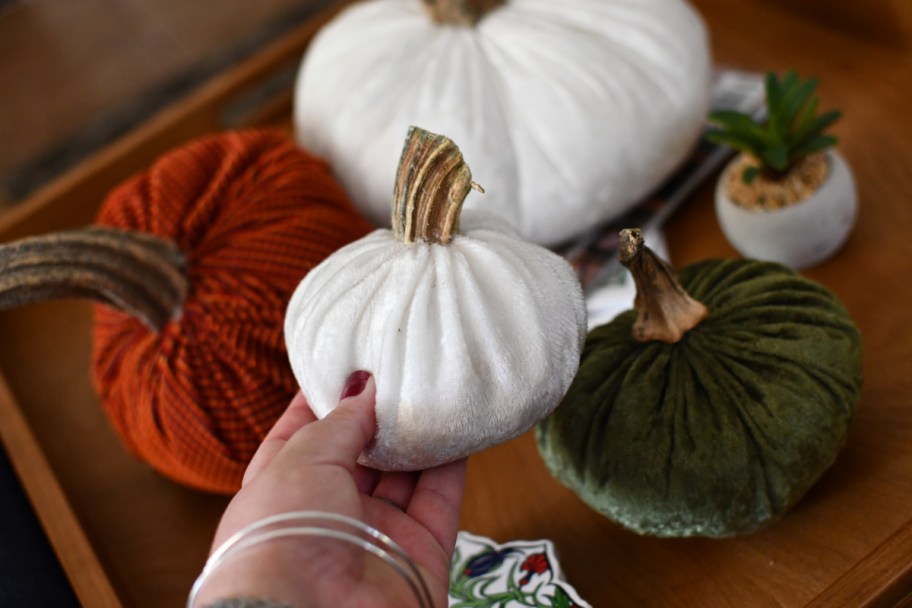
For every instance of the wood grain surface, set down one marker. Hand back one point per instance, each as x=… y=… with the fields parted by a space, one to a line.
x=847 y=543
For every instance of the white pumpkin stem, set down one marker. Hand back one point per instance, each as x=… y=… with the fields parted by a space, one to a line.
x=461 y=12
x=431 y=184
x=665 y=311
x=135 y=272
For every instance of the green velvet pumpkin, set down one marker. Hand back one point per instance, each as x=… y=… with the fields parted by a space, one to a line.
x=721 y=431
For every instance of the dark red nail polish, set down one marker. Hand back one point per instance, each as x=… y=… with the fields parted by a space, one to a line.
x=355 y=384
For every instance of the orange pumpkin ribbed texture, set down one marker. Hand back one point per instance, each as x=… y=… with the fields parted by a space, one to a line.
x=253 y=213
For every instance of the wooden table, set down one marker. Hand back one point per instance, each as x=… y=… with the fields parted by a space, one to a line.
x=127 y=537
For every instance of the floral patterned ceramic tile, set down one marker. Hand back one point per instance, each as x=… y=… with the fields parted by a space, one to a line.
x=485 y=574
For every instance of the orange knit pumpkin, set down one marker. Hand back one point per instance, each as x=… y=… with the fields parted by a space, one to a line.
x=252 y=213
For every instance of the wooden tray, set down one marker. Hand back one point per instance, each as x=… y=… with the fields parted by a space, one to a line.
x=127 y=537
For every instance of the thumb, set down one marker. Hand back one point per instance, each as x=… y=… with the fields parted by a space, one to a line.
x=341 y=436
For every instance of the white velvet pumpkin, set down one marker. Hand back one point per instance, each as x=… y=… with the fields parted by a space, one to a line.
x=572 y=111
x=471 y=341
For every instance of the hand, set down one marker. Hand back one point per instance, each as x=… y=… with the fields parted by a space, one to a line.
x=309 y=464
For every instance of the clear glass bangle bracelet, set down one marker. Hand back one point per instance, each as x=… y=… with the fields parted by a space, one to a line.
x=306 y=558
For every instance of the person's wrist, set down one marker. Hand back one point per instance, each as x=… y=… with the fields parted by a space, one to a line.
x=311 y=559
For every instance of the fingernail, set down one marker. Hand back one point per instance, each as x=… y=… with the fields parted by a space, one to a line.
x=355 y=384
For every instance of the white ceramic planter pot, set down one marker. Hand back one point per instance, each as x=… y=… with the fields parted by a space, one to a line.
x=801 y=235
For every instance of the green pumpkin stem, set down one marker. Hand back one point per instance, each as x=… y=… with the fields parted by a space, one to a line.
x=460 y=12
x=431 y=185
x=665 y=311
x=135 y=272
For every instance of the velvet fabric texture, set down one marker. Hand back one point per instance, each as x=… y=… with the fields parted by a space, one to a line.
x=253 y=214
x=568 y=112
x=471 y=343
x=720 y=433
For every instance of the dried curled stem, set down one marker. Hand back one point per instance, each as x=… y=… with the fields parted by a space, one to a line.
x=665 y=311
x=431 y=185
x=460 y=12
x=135 y=272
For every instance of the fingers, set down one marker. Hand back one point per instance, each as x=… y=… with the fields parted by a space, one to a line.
x=437 y=500
x=297 y=415
x=356 y=394
x=396 y=488
x=340 y=437
x=366 y=479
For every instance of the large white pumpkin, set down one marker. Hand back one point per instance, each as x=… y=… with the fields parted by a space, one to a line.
x=473 y=335
x=570 y=110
